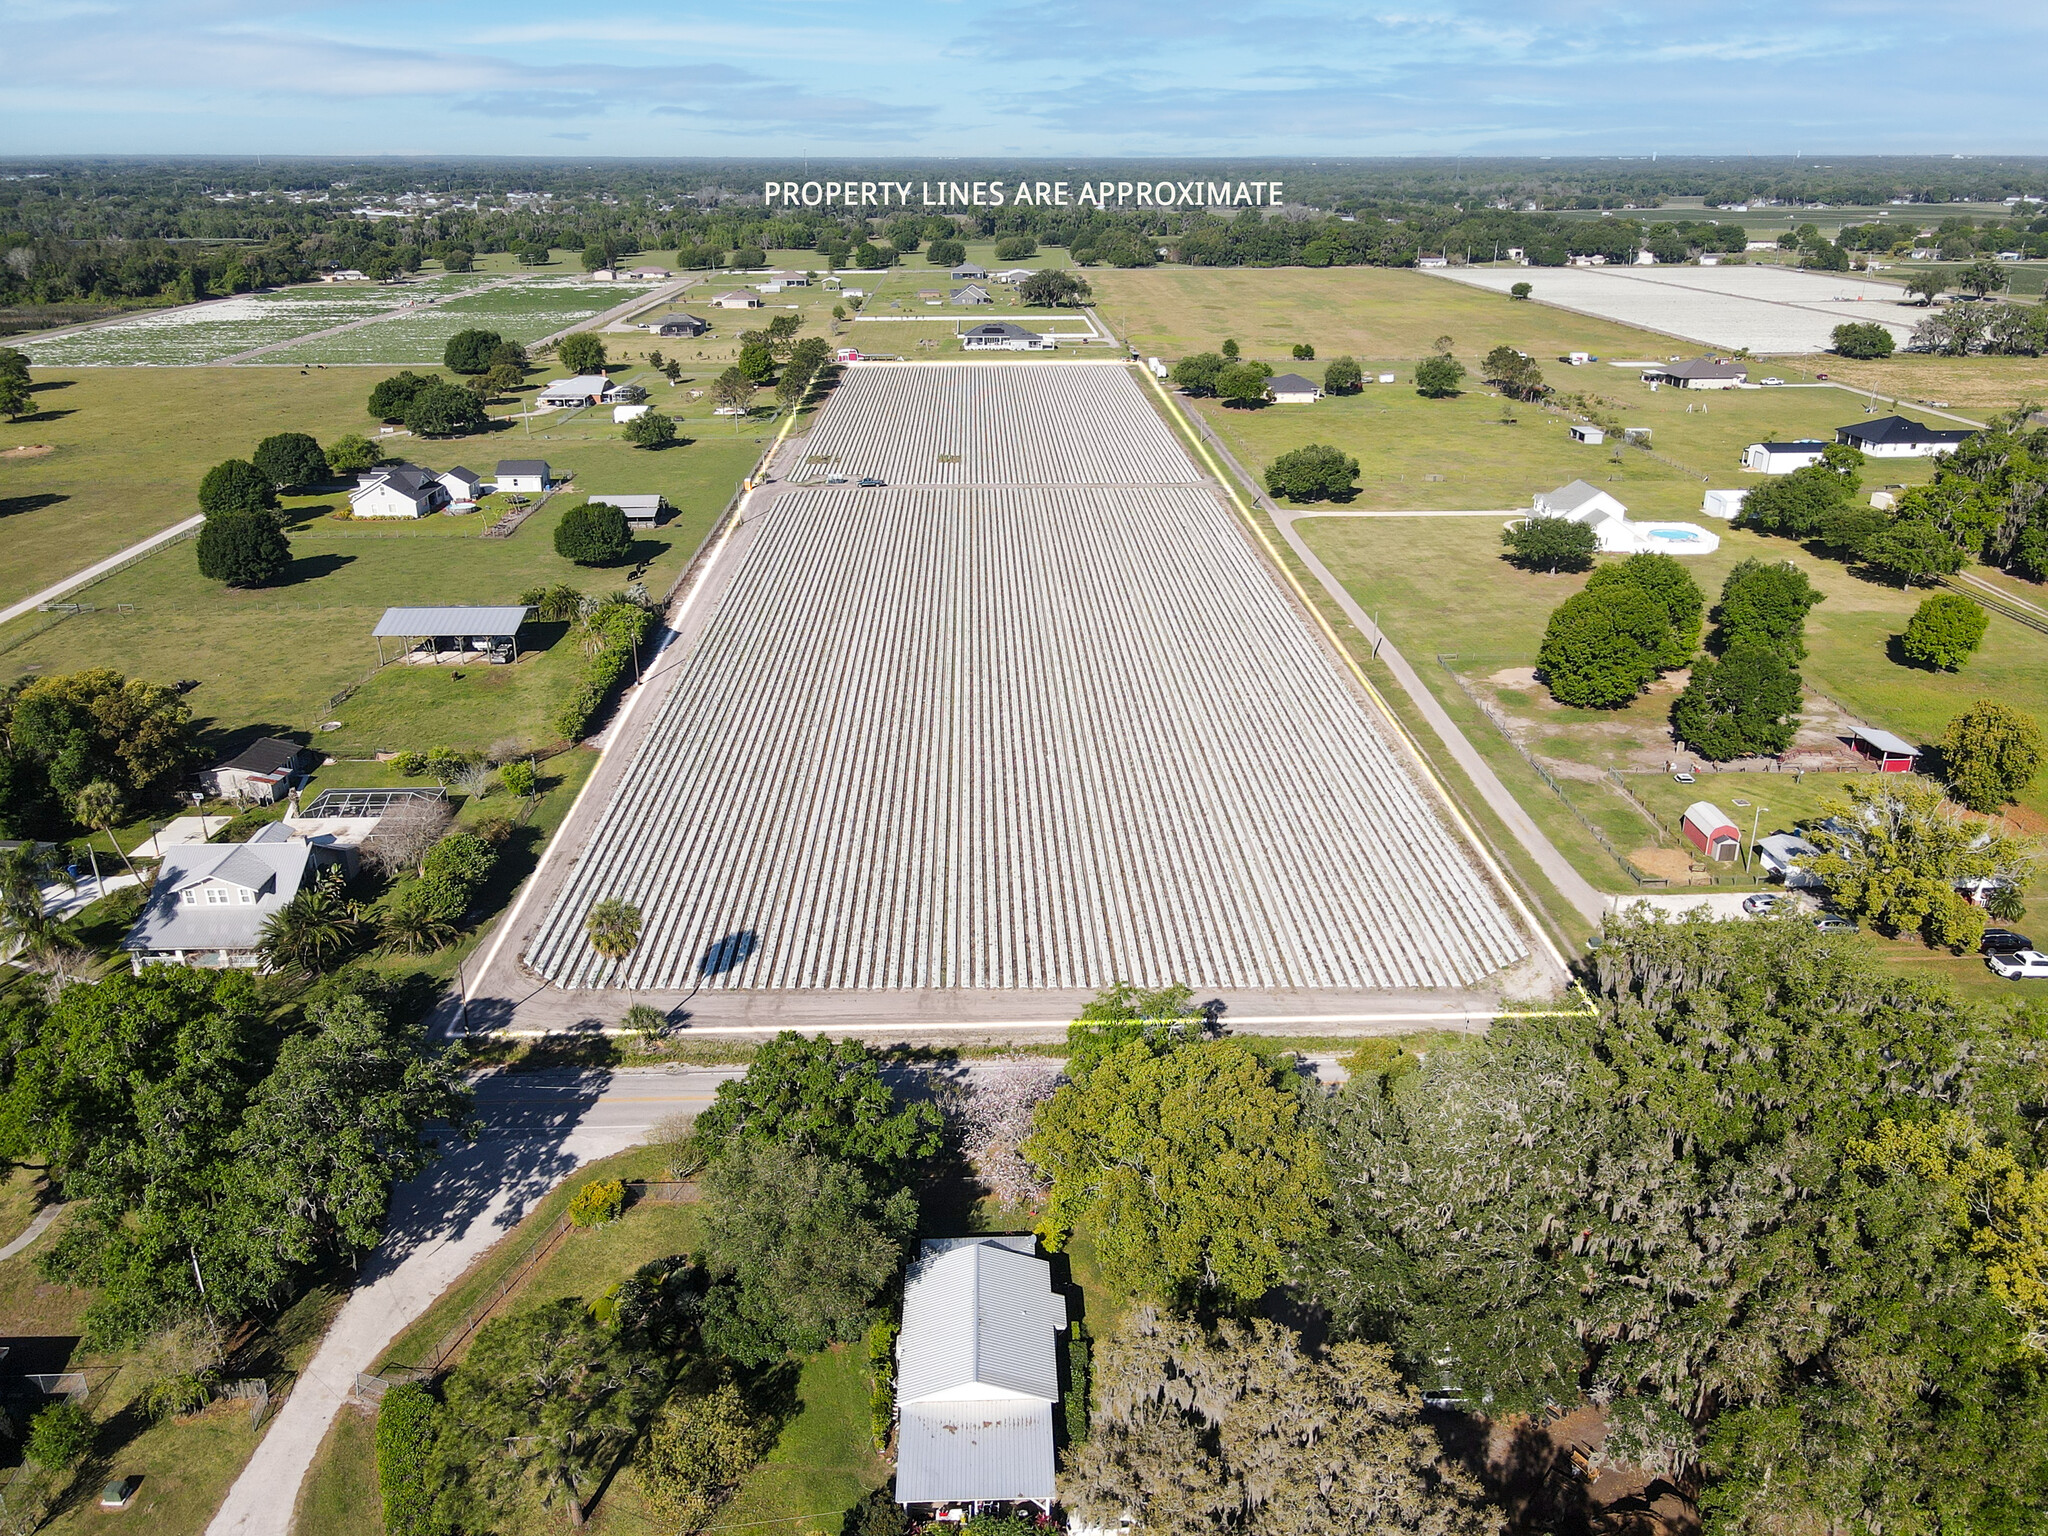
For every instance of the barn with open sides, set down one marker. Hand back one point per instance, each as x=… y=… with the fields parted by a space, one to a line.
x=451 y=634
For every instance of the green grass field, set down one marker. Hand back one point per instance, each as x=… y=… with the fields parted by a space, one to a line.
x=269 y=659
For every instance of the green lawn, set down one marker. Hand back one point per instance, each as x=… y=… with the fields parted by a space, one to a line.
x=340 y=1496
x=825 y=1460
x=268 y=660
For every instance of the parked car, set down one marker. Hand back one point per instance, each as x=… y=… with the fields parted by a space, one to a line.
x=1770 y=381
x=2003 y=941
x=2020 y=965
x=1682 y=777
x=870 y=481
x=1834 y=922
x=1762 y=902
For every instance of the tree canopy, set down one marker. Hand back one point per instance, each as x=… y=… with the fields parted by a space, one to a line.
x=62 y=733
x=1342 y=376
x=1990 y=754
x=1944 y=632
x=289 y=459
x=1055 y=288
x=1314 y=473
x=593 y=534
x=1514 y=373
x=1196 y=373
x=236 y=485
x=389 y=397
x=1765 y=605
x=1550 y=544
x=1664 y=579
x=242 y=549
x=1603 y=645
x=1744 y=705
x=471 y=351
x=581 y=352
x=440 y=409
x=1863 y=339
x=1191 y=1163
x=1437 y=378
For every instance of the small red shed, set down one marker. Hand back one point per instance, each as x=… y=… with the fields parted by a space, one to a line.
x=1711 y=832
x=1890 y=753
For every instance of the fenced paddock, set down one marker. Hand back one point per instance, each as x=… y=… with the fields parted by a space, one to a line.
x=1018 y=736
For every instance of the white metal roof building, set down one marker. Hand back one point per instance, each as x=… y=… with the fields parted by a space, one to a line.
x=977 y=1374
x=477 y=629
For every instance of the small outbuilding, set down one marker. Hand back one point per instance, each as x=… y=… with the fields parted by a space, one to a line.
x=262 y=773
x=1723 y=504
x=640 y=511
x=1293 y=389
x=1784 y=855
x=679 y=325
x=625 y=413
x=523 y=475
x=1709 y=830
x=647 y=274
x=1782 y=458
x=1583 y=432
x=1889 y=752
x=452 y=634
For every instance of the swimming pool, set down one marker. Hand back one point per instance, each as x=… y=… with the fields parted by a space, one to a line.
x=1675 y=535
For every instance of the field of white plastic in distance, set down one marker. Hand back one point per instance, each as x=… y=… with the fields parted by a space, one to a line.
x=1767 y=309
x=1050 y=724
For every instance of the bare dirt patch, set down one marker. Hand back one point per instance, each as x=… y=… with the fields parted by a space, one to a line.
x=27 y=451
x=1673 y=864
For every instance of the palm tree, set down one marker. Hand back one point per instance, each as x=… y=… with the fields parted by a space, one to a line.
x=98 y=806
x=311 y=931
x=416 y=929
x=613 y=927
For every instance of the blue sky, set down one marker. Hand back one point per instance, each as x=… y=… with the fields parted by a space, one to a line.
x=1053 y=77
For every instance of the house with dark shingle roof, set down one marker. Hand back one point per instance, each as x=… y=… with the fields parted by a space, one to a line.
x=1293 y=389
x=1699 y=373
x=397 y=490
x=261 y=772
x=1894 y=437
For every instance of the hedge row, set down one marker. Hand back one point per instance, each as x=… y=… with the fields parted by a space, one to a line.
x=622 y=625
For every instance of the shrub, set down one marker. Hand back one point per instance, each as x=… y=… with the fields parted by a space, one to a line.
x=470 y=351
x=1077 y=1399
x=411 y=764
x=1436 y=378
x=593 y=535
x=599 y=1201
x=1602 y=646
x=352 y=454
x=1863 y=339
x=1520 y=291
x=180 y=1393
x=521 y=778
x=877 y=1514
x=59 y=1436
x=553 y=605
x=619 y=626
x=1342 y=376
x=582 y=352
x=653 y=430
x=1944 y=631
x=882 y=1381
x=242 y=549
x=1550 y=544
x=290 y=458
x=236 y=485
x=408 y=1422
x=462 y=859
x=1313 y=473
x=697 y=1453
x=1990 y=754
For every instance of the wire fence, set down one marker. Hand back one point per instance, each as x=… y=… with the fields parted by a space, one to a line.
x=1599 y=836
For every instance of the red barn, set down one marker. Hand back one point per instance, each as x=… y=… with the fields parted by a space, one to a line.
x=1711 y=832
x=1890 y=753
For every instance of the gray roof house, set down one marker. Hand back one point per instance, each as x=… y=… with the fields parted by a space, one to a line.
x=262 y=771
x=1700 y=373
x=966 y=270
x=973 y=293
x=1293 y=389
x=462 y=484
x=1895 y=437
x=1004 y=336
x=210 y=901
x=977 y=1374
x=679 y=325
x=523 y=475
x=459 y=631
x=640 y=510
x=397 y=490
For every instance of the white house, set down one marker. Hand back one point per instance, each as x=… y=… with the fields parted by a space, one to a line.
x=1699 y=373
x=1894 y=437
x=1432 y=261
x=1782 y=458
x=1013 y=274
x=1579 y=502
x=968 y=270
x=648 y=274
x=1293 y=389
x=977 y=1374
x=737 y=299
x=345 y=275
x=1003 y=336
x=584 y=389
x=462 y=485
x=522 y=474
x=211 y=900
x=397 y=490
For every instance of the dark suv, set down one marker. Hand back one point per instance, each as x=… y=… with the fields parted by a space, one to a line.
x=2003 y=941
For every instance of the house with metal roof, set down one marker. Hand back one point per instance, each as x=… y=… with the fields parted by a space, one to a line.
x=977 y=1374
x=584 y=389
x=968 y=270
x=640 y=511
x=1895 y=437
x=451 y=634
x=1892 y=754
x=397 y=490
x=211 y=900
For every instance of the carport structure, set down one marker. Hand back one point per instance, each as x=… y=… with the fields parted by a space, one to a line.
x=459 y=633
